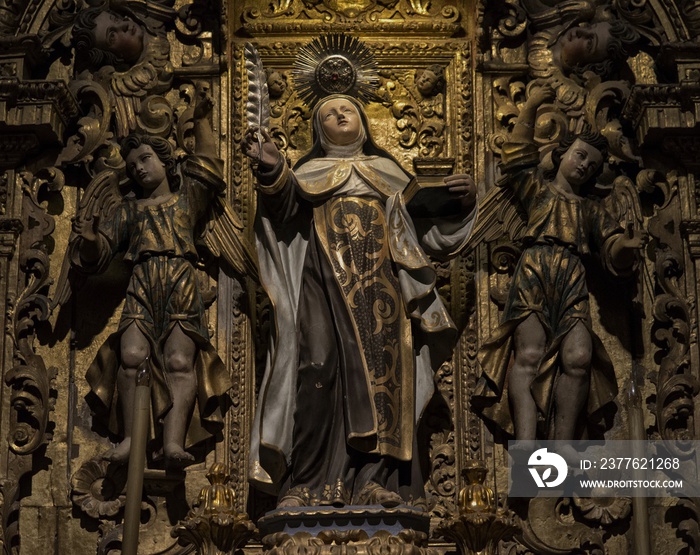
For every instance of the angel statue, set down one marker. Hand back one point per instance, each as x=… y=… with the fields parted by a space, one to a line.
x=560 y=368
x=130 y=60
x=359 y=324
x=163 y=325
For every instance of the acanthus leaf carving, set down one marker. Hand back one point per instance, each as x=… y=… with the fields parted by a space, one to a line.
x=389 y=16
x=676 y=386
x=30 y=379
x=93 y=128
x=420 y=119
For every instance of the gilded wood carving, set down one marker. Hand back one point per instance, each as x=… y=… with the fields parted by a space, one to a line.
x=455 y=79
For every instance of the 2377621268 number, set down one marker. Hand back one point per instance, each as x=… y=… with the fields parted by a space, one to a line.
x=635 y=463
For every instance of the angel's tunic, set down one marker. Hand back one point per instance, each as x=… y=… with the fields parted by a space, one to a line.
x=550 y=282
x=163 y=291
x=348 y=373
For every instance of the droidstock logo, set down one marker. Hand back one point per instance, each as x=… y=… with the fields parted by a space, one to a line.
x=542 y=461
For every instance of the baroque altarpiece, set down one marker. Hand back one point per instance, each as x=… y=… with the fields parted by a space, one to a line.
x=451 y=83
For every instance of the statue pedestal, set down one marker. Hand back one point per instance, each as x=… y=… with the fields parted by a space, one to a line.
x=362 y=530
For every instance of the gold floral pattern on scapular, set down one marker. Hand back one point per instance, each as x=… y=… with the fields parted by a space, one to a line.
x=353 y=231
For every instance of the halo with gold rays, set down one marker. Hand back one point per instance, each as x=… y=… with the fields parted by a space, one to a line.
x=335 y=64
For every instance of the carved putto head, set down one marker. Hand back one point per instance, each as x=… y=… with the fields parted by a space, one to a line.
x=104 y=37
x=598 y=47
x=431 y=80
x=276 y=83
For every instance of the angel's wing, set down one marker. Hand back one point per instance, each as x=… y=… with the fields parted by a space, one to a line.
x=101 y=198
x=623 y=203
x=499 y=213
x=224 y=236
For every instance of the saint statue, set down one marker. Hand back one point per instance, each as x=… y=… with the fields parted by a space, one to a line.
x=359 y=326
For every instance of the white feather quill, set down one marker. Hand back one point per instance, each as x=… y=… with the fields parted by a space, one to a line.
x=258 y=104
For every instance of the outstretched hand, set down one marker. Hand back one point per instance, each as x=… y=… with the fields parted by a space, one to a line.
x=462 y=187
x=633 y=239
x=86 y=228
x=627 y=246
x=252 y=140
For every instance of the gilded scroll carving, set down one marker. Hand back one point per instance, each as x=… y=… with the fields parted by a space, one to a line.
x=393 y=16
x=417 y=102
x=351 y=541
x=691 y=13
x=30 y=379
x=9 y=516
x=676 y=386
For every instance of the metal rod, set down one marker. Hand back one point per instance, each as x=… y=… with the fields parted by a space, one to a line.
x=640 y=509
x=137 y=461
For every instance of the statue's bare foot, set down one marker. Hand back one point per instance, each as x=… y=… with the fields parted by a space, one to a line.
x=120 y=453
x=176 y=455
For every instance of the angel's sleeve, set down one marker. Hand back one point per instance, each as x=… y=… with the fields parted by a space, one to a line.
x=113 y=236
x=518 y=167
x=203 y=179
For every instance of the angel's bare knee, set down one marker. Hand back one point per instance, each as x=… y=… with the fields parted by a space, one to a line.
x=134 y=348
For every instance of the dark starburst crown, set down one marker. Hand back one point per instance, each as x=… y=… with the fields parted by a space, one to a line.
x=335 y=64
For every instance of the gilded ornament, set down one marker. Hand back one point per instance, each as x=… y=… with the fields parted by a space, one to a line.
x=335 y=64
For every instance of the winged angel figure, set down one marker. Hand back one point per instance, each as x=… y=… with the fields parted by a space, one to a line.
x=545 y=358
x=155 y=220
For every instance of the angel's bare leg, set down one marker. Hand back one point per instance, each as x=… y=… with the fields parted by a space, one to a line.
x=530 y=340
x=572 y=386
x=134 y=350
x=179 y=354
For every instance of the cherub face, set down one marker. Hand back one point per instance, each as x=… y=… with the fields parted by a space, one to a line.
x=145 y=167
x=580 y=163
x=426 y=82
x=276 y=85
x=580 y=46
x=119 y=35
x=340 y=120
